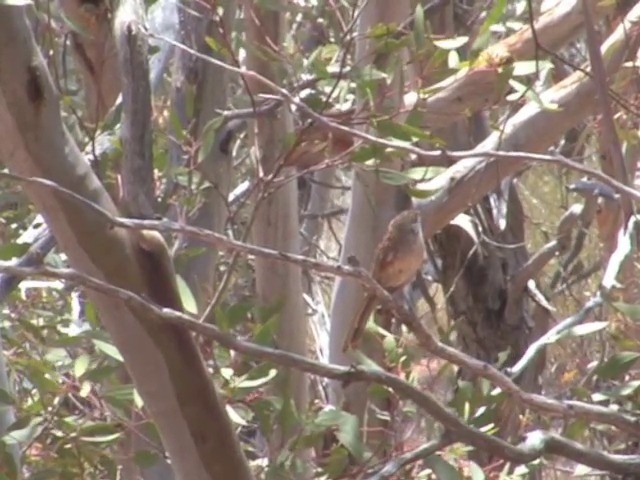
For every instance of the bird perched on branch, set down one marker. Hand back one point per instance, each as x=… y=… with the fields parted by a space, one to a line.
x=396 y=262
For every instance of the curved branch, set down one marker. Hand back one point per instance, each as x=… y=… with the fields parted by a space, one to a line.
x=552 y=335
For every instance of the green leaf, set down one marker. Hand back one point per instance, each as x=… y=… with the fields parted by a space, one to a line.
x=23 y=430
x=348 y=431
x=529 y=67
x=100 y=432
x=119 y=393
x=476 y=472
x=628 y=388
x=235 y=315
x=348 y=434
x=617 y=365
x=90 y=313
x=100 y=373
x=391 y=177
x=108 y=349
x=213 y=44
x=209 y=133
x=145 y=458
x=85 y=389
x=6 y=398
x=421 y=193
x=631 y=311
x=424 y=173
x=234 y=416
x=16 y=3
x=80 y=365
x=494 y=15
x=337 y=462
x=419 y=34
x=442 y=469
x=12 y=250
x=188 y=300
x=137 y=399
x=576 y=429
x=401 y=131
x=586 y=329
x=257 y=382
x=451 y=43
x=583 y=471
x=366 y=153
x=177 y=129
x=529 y=93
x=369 y=73
x=265 y=332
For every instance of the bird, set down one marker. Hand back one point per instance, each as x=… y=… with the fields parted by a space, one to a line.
x=396 y=262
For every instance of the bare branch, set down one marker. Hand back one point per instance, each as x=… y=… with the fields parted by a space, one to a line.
x=552 y=335
x=406 y=459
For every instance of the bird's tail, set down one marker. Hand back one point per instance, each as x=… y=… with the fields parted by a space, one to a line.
x=359 y=323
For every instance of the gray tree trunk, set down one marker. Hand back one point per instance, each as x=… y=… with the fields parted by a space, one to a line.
x=373 y=204
x=276 y=222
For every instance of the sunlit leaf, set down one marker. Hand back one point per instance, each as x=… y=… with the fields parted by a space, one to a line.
x=188 y=300
x=234 y=417
x=100 y=432
x=451 y=43
x=16 y=3
x=476 y=471
x=586 y=329
x=81 y=364
x=108 y=349
x=254 y=383
x=529 y=67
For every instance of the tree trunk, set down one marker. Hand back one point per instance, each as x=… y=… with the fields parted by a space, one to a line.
x=276 y=224
x=163 y=361
x=372 y=206
x=211 y=92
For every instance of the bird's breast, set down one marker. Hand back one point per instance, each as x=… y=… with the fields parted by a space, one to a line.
x=403 y=268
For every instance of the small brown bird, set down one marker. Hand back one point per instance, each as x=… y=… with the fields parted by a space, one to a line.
x=396 y=262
